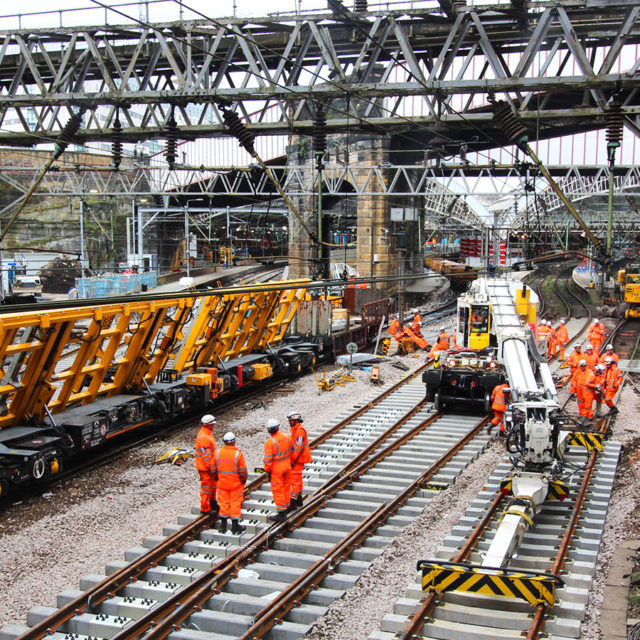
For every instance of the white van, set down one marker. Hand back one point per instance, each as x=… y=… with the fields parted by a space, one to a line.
x=28 y=283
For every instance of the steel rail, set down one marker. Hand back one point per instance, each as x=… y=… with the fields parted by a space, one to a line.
x=277 y=608
x=539 y=617
x=421 y=616
x=166 y=617
x=109 y=585
x=282 y=604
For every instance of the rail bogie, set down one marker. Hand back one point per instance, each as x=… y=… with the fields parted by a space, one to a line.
x=34 y=453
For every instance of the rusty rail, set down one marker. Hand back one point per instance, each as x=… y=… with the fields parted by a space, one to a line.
x=111 y=584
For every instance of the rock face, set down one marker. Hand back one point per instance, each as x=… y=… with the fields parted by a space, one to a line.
x=59 y=275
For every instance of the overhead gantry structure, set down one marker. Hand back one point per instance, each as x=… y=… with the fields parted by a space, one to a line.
x=422 y=80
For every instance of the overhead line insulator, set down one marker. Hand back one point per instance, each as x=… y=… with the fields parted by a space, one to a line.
x=509 y=122
x=320 y=131
x=172 y=130
x=239 y=130
x=68 y=132
x=116 y=143
x=614 y=117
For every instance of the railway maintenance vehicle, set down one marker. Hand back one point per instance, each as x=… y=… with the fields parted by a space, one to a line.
x=495 y=333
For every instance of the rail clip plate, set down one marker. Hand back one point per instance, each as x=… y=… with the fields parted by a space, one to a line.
x=535 y=588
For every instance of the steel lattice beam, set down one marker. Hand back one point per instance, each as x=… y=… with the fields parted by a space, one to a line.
x=273 y=71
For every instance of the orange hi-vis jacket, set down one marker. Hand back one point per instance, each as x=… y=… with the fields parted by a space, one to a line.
x=592 y=360
x=301 y=453
x=596 y=335
x=614 y=356
x=562 y=335
x=574 y=360
x=543 y=332
x=232 y=469
x=394 y=326
x=205 y=449
x=277 y=462
x=613 y=378
x=444 y=341
x=498 y=397
x=277 y=453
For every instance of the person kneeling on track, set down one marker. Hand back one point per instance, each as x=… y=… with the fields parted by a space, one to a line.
x=277 y=465
x=232 y=476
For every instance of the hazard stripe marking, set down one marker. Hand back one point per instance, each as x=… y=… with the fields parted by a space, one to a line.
x=534 y=588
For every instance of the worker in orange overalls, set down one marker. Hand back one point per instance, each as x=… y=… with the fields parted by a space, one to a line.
x=591 y=357
x=417 y=324
x=443 y=344
x=612 y=380
x=574 y=359
x=232 y=476
x=551 y=340
x=277 y=464
x=596 y=334
x=394 y=326
x=300 y=455
x=500 y=396
x=543 y=336
x=416 y=339
x=583 y=385
x=206 y=464
x=562 y=337
x=609 y=353
x=598 y=394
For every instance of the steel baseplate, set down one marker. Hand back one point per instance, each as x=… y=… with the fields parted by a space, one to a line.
x=591 y=440
x=535 y=588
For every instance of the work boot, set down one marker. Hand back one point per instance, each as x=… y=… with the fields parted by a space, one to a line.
x=280 y=516
x=299 y=501
x=613 y=409
x=223 y=525
x=215 y=507
x=236 y=527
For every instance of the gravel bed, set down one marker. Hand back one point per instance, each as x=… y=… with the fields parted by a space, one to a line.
x=46 y=545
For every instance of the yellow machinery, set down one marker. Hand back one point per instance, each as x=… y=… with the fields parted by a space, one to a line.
x=629 y=281
x=71 y=378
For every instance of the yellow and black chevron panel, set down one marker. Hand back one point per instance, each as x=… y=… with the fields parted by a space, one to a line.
x=558 y=490
x=506 y=486
x=589 y=439
x=448 y=576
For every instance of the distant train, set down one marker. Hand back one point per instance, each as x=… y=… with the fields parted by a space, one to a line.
x=459 y=273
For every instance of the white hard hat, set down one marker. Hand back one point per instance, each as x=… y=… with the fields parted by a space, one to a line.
x=589 y=346
x=600 y=367
x=294 y=415
x=548 y=323
x=610 y=346
x=562 y=320
x=578 y=345
x=272 y=425
x=583 y=363
x=229 y=437
x=208 y=419
x=595 y=321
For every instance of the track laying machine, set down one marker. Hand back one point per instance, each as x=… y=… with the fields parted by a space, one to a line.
x=496 y=318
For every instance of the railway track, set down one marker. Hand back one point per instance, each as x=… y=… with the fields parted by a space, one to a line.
x=563 y=541
x=369 y=480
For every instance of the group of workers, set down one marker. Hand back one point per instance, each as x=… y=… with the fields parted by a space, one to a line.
x=553 y=341
x=413 y=331
x=594 y=379
x=223 y=471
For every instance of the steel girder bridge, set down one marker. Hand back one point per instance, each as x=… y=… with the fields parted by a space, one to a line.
x=422 y=78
